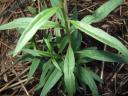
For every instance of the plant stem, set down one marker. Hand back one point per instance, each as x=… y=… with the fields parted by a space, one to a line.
x=65 y=14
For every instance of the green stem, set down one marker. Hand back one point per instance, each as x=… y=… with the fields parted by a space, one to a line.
x=34 y=41
x=65 y=14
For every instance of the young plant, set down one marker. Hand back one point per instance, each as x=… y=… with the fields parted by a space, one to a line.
x=62 y=59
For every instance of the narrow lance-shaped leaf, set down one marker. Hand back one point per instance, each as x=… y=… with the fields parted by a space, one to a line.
x=17 y=23
x=40 y=20
x=101 y=36
x=56 y=64
x=84 y=60
x=63 y=44
x=57 y=32
x=95 y=76
x=102 y=11
x=59 y=13
x=43 y=79
x=52 y=80
x=76 y=37
x=101 y=55
x=24 y=22
x=69 y=78
x=46 y=72
x=52 y=51
x=86 y=77
x=36 y=52
x=76 y=40
x=26 y=57
x=33 y=67
x=48 y=45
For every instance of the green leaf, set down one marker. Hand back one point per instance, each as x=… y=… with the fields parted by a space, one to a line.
x=74 y=13
x=36 y=52
x=57 y=32
x=40 y=20
x=102 y=12
x=17 y=23
x=47 y=70
x=59 y=13
x=69 y=78
x=33 y=67
x=52 y=80
x=86 y=77
x=50 y=24
x=26 y=57
x=43 y=79
x=20 y=30
x=48 y=44
x=56 y=64
x=32 y=10
x=63 y=44
x=95 y=76
x=101 y=36
x=50 y=51
x=76 y=38
x=102 y=56
x=85 y=60
x=22 y=23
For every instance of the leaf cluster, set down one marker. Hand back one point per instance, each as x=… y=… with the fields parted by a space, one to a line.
x=62 y=59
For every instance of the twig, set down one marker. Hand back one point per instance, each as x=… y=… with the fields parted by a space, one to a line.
x=5 y=87
x=9 y=68
x=6 y=45
x=20 y=82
